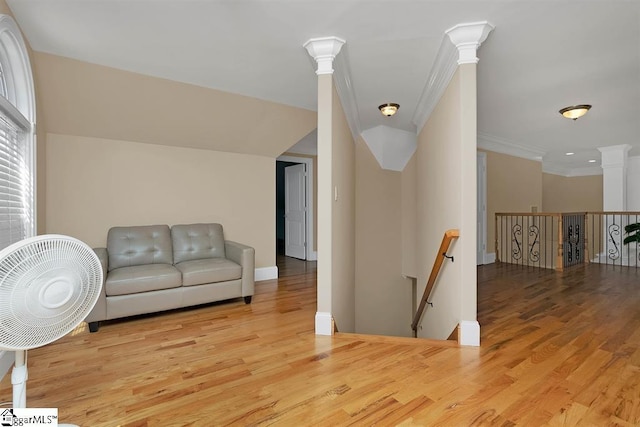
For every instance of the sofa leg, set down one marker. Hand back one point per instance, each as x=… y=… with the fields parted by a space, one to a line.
x=94 y=326
x=247 y=300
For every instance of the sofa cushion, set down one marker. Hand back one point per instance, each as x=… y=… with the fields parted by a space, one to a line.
x=142 y=278
x=197 y=241
x=141 y=245
x=212 y=270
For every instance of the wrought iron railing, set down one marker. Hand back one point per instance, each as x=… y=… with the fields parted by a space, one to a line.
x=527 y=239
x=561 y=240
x=607 y=242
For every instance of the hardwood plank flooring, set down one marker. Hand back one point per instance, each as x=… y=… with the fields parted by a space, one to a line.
x=557 y=349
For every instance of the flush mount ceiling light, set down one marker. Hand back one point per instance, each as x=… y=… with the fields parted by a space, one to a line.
x=575 y=111
x=389 y=109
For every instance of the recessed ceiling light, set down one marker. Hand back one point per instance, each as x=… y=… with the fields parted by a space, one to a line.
x=574 y=112
x=569 y=154
x=389 y=109
x=592 y=161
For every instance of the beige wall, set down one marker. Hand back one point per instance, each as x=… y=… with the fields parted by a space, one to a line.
x=514 y=184
x=383 y=297
x=446 y=197
x=158 y=151
x=94 y=184
x=571 y=194
x=85 y=99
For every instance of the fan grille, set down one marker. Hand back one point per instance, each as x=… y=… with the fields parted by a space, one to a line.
x=48 y=285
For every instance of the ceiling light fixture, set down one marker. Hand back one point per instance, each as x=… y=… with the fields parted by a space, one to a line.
x=569 y=154
x=389 y=109
x=592 y=161
x=574 y=112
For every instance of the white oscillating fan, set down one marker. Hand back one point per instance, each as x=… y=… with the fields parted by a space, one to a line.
x=48 y=285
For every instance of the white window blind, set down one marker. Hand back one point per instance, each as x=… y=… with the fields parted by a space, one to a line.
x=16 y=184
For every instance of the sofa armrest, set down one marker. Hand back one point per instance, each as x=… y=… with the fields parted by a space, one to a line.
x=245 y=256
x=99 y=311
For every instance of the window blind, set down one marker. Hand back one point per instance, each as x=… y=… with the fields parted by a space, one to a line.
x=16 y=184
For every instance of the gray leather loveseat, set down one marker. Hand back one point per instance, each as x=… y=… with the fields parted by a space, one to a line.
x=155 y=268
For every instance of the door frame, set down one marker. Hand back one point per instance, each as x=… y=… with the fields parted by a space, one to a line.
x=311 y=254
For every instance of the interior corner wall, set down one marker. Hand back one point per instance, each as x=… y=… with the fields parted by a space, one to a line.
x=446 y=199
x=343 y=219
x=94 y=184
x=383 y=298
x=571 y=194
x=514 y=184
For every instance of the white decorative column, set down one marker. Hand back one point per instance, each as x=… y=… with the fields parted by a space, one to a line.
x=614 y=177
x=467 y=38
x=324 y=51
x=614 y=199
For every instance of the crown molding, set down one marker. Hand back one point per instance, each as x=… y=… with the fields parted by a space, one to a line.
x=500 y=145
x=556 y=169
x=346 y=93
x=444 y=67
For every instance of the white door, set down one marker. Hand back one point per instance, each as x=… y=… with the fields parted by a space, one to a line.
x=482 y=207
x=295 y=214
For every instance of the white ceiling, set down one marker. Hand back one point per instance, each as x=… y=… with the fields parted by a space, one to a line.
x=541 y=56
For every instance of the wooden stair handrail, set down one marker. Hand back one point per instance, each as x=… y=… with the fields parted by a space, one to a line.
x=449 y=235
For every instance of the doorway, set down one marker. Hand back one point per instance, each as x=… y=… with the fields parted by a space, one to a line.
x=294 y=208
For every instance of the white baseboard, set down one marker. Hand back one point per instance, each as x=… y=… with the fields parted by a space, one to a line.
x=490 y=258
x=266 y=273
x=313 y=256
x=6 y=362
x=324 y=323
x=469 y=333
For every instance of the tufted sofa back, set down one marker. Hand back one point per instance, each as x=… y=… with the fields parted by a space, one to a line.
x=197 y=241
x=139 y=245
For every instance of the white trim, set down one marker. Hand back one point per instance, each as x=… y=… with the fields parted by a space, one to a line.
x=266 y=273
x=555 y=169
x=310 y=218
x=346 y=92
x=444 y=67
x=469 y=333
x=489 y=258
x=6 y=362
x=500 y=145
x=324 y=51
x=324 y=323
x=468 y=38
x=18 y=68
x=482 y=199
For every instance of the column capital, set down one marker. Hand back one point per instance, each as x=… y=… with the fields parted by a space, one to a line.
x=324 y=51
x=614 y=155
x=467 y=38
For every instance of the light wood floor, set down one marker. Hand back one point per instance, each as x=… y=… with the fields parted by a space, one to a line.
x=557 y=349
